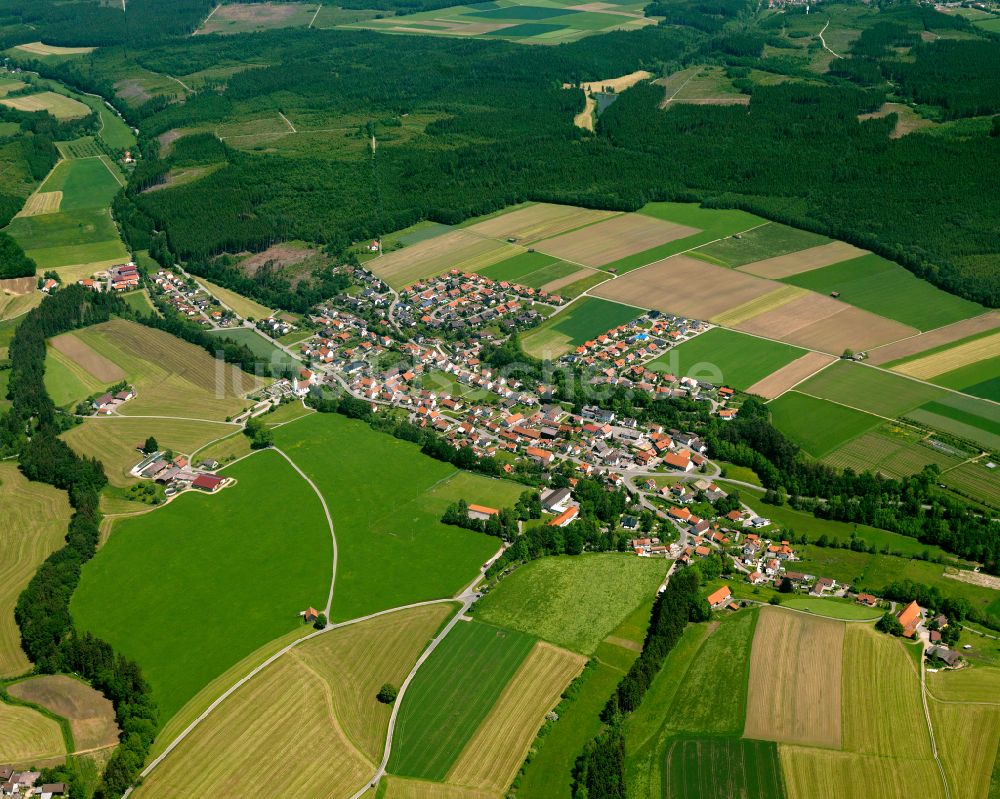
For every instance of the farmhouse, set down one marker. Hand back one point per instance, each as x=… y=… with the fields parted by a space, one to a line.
x=910 y=617
x=949 y=657
x=565 y=517
x=868 y=600
x=208 y=482
x=557 y=500
x=719 y=597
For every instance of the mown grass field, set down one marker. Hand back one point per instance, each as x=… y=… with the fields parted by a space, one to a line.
x=28 y=736
x=90 y=714
x=797 y=416
x=243 y=306
x=721 y=768
x=572 y=601
x=60 y=106
x=534 y=269
x=452 y=694
x=732 y=359
x=494 y=754
x=387 y=500
x=84 y=183
x=886 y=288
x=968 y=737
x=82 y=236
x=585 y=319
x=185 y=571
x=892 y=450
x=35 y=518
x=171 y=377
x=267 y=352
x=832 y=608
x=720 y=672
x=114 y=440
x=789 y=699
x=763 y=242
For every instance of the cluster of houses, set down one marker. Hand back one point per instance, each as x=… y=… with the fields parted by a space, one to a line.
x=109 y=403
x=191 y=300
x=119 y=278
x=25 y=785
x=462 y=300
x=178 y=475
x=275 y=327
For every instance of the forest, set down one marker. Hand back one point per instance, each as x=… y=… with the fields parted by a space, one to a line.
x=499 y=131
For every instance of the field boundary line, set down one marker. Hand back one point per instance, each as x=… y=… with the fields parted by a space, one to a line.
x=329 y=521
x=932 y=385
x=104 y=160
x=318 y=7
x=803 y=380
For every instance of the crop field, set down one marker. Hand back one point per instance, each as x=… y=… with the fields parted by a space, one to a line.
x=585 y=319
x=539 y=271
x=60 y=106
x=889 y=290
x=84 y=182
x=28 y=736
x=256 y=17
x=794 y=262
x=35 y=518
x=538 y=221
x=873 y=390
x=66 y=381
x=825 y=324
x=387 y=499
x=184 y=570
x=457 y=249
x=90 y=715
x=976 y=480
x=962 y=416
x=890 y=450
x=968 y=736
x=732 y=359
x=40 y=49
x=114 y=440
x=550 y=23
x=720 y=671
x=809 y=772
x=495 y=752
x=773 y=300
x=759 y=244
x=451 y=696
x=883 y=714
x=605 y=242
x=790 y=699
x=795 y=415
x=171 y=377
x=979 y=379
x=790 y=375
x=572 y=601
x=686 y=286
x=946 y=360
x=722 y=768
x=242 y=306
x=931 y=341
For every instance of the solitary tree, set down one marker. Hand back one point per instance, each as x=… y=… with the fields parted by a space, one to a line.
x=387 y=694
x=150 y=445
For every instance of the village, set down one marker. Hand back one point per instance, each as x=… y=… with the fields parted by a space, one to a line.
x=25 y=785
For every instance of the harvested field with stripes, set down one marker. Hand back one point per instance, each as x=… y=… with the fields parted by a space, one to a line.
x=495 y=752
x=980 y=684
x=790 y=697
x=777 y=383
x=977 y=480
x=685 y=286
x=539 y=221
x=35 y=517
x=822 y=323
x=971 y=352
x=803 y=261
x=457 y=249
x=967 y=736
x=892 y=451
x=102 y=369
x=401 y=788
x=823 y=772
x=614 y=239
x=42 y=202
x=90 y=714
x=772 y=301
x=28 y=736
x=935 y=338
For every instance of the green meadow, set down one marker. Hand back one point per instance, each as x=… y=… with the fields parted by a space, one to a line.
x=713 y=224
x=886 y=288
x=766 y=241
x=450 y=696
x=709 y=767
x=387 y=499
x=86 y=235
x=736 y=359
x=585 y=319
x=84 y=182
x=572 y=601
x=798 y=417
x=533 y=269
x=190 y=589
